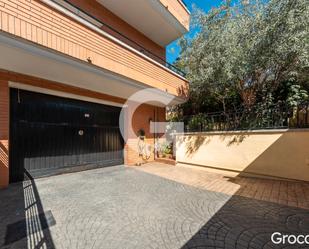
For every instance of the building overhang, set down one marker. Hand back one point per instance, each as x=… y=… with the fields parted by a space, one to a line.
x=27 y=58
x=161 y=21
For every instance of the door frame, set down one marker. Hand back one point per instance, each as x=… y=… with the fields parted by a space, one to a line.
x=21 y=86
x=61 y=94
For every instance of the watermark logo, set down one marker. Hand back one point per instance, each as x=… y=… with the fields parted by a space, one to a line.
x=153 y=97
x=290 y=239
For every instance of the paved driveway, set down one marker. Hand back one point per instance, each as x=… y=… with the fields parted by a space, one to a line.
x=121 y=207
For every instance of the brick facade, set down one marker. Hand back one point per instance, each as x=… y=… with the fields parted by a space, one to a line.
x=49 y=29
x=4 y=133
x=141 y=117
x=100 y=12
x=141 y=120
x=43 y=27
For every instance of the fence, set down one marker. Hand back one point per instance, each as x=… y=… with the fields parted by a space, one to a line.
x=257 y=117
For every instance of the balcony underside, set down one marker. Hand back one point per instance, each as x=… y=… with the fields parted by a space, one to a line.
x=48 y=26
x=162 y=21
x=25 y=58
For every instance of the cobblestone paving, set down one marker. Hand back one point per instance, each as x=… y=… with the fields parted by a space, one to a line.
x=290 y=193
x=121 y=207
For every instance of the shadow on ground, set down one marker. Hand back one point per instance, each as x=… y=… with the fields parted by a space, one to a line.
x=127 y=208
x=24 y=224
x=244 y=223
x=250 y=215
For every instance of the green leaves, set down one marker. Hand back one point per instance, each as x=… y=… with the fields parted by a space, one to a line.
x=247 y=49
x=296 y=95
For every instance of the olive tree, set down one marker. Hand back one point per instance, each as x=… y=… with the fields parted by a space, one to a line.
x=246 y=50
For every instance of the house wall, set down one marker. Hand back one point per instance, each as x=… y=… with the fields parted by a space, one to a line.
x=4 y=133
x=177 y=8
x=140 y=118
x=282 y=154
x=100 y=12
x=46 y=27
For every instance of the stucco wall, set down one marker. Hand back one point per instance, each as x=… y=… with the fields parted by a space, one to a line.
x=271 y=153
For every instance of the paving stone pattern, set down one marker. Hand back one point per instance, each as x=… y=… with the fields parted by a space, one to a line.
x=121 y=207
x=289 y=193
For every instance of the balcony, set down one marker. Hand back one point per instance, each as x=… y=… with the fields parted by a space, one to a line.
x=47 y=26
x=163 y=20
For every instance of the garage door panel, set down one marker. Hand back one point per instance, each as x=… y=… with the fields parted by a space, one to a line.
x=51 y=133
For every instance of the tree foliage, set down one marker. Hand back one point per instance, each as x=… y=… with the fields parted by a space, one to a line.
x=247 y=54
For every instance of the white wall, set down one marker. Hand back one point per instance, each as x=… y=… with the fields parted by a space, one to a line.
x=279 y=153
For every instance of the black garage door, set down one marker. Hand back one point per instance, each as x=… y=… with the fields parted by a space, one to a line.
x=49 y=135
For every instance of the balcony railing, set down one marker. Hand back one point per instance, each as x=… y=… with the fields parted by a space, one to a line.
x=47 y=26
x=90 y=18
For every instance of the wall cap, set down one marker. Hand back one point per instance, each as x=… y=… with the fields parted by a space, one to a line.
x=265 y=131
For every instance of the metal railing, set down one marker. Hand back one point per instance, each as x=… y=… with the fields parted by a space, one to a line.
x=254 y=118
x=86 y=16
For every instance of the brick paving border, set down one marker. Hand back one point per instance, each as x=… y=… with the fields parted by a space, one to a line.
x=123 y=207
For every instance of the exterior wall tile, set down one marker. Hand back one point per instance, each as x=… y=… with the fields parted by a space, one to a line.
x=176 y=7
x=28 y=19
x=100 y=12
x=4 y=134
x=140 y=118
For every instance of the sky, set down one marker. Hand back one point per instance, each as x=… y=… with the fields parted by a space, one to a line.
x=173 y=49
